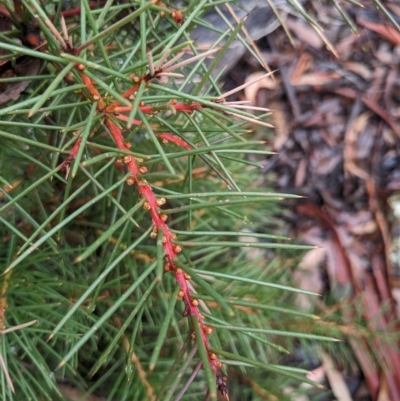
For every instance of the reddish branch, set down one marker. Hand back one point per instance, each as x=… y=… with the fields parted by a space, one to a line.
x=66 y=165
x=129 y=94
x=152 y=204
x=175 y=140
x=94 y=93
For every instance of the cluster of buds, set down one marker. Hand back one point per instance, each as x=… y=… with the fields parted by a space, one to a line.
x=176 y=15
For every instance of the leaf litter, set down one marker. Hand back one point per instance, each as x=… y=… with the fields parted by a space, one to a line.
x=337 y=140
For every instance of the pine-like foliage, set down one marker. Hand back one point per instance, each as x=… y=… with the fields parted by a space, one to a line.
x=125 y=189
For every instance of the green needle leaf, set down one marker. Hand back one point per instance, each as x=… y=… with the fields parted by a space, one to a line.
x=85 y=135
x=162 y=336
x=160 y=255
x=271 y=368
x=210 y=376
x=220 y=203
x=273 y=332
x=268 y=245
x=387 y=14
x=135 y=105
x=156 y=142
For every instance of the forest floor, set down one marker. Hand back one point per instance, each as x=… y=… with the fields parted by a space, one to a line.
x=336 y=108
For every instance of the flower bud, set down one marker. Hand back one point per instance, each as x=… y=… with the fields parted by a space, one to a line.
x=207 y=330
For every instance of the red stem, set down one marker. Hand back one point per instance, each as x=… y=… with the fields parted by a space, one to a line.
x=175 y=140
x=66 y=164
x=152 y=204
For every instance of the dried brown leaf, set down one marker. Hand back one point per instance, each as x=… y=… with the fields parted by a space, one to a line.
x=358 y=68
x=304 y=33
x=250 y=92
x=385 y=30
x=29 y=67
x=316 y=78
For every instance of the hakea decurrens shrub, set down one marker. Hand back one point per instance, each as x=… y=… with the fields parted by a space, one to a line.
x=94 y=95
x=116 y=112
